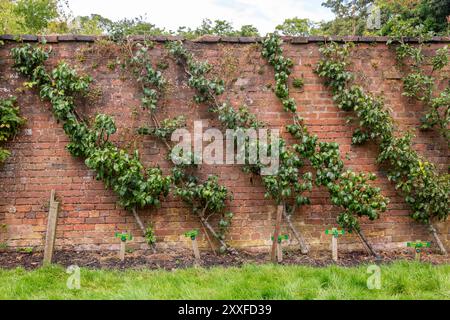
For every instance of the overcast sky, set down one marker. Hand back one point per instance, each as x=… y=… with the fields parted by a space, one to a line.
x=264 y=14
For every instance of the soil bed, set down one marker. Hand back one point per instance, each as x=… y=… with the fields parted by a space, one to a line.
x=183 y=259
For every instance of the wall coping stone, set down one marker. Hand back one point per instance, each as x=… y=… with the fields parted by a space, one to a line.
x=211 y=39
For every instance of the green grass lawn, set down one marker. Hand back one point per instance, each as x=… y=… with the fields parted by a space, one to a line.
x=401 y=280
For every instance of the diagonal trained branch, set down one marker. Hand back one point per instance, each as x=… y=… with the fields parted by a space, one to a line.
x=287 y=185
x=349 y=190
x=302 y=242
x=424 y=189
x=204 y=197
x=421 y=85
x=124 y=174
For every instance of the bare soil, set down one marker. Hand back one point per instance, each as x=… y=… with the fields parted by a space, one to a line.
x=172 y=259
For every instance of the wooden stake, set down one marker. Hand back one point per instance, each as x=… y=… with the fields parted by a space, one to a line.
x=51 y=229
x=417 y=257
x=334 y=241
x=123 y=246
x=279 y=252
x=276 y=233
x=334 y=248
x=196 y=251
x=418 y=245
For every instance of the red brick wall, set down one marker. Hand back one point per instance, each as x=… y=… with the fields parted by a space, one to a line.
x=89 y=215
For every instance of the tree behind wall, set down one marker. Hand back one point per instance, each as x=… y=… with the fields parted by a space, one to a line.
x=296 y=27
x=32 y=16
x=36 y=14
x=351 y=16
x=433 y=15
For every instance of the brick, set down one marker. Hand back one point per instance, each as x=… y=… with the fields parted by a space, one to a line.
x=299 y=40
x=175 y=38
x=316 y=39
x=30 y=38
x=286 y=38
x=351 y=39
x=229 y=39
x=411 y=39
x=248 y=39
x=335 y=38
x=160 y=38
x=67 y=37
x=207 y=39
x=392 y=75
x=8 y=37
x=382 y=39
x=367 y=39
x=82 y=38
x=51 y=39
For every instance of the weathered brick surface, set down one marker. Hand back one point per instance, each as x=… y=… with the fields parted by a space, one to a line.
x=89 y=214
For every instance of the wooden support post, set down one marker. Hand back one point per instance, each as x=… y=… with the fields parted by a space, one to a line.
x=418 y=245
x=279 y=252
x=51 y=229
x=334 y=248
x=276 y=233
x=123 y=246
x=417 y=256
x=124 y=237
x=334 y=241
x=196 y=251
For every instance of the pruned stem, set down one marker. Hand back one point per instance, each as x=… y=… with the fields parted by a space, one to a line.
x=439 y=243
x=203 y=220
x=209 y=239
x=366 y=243
x=303 y=246
x=141 y=226
x=138 y=220
x=215 y=235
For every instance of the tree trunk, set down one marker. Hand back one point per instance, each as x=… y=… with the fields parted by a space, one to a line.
x=279 y=253
x=209 y=239
x=123 y=247
x=196 y=251
x=276 y=233
x=368 y=245
x=139 y=221
x=213 y=232
x=303 y=246
x=433 y=231
x=141 y=226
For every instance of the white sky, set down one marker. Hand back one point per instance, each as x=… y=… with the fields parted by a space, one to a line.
x=264 y=14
